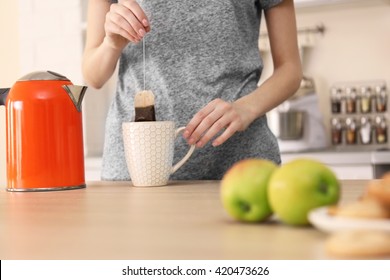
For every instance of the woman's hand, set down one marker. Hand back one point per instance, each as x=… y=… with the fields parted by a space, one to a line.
x=215 y=117
x=125 y=22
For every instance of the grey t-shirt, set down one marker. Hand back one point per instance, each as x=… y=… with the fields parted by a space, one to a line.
x=196 y=51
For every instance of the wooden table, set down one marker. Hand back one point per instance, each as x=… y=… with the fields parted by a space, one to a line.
x=114 y=220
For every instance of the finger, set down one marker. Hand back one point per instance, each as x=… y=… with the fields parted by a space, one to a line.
x=205 y=126
x=116 y=18
x=114 y=29
x=131 y=19
x=206 y=123
x=197 y=119
x=219 y=125
x=138 y=13
x=229 y=131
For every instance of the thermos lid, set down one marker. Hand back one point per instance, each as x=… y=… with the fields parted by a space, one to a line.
x=43 y=76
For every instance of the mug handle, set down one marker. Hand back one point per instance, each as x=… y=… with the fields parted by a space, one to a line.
x=186 y=157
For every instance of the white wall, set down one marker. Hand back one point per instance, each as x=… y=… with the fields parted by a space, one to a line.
x=354 y=47
x=51 y=39
x=10 y=67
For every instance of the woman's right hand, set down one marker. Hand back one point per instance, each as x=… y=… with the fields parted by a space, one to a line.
x=125 y=22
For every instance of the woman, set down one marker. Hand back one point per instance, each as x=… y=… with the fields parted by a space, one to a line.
x=203 y=65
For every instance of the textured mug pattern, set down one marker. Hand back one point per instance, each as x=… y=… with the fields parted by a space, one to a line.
x=149 y=148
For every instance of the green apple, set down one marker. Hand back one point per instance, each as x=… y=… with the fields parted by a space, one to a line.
x=300 y=186
x=244 y=190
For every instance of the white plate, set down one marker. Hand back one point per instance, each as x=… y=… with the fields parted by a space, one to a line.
x=322 y=220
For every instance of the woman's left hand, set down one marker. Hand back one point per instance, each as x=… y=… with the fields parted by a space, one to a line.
x=216 y=116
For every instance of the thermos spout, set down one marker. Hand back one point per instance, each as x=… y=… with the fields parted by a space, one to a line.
x=3 y=95
x=76 y=94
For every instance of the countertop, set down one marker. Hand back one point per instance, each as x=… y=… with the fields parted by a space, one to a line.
x=114 y=220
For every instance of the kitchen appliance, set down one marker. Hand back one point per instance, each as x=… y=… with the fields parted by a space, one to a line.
x=298 y=122
x=44 y=133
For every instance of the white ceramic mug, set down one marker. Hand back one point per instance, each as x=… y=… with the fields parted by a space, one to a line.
x=149 y=149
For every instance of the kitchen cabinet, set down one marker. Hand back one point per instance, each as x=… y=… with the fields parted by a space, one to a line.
x=349 y=165
x=93 y=167
x=344 y=165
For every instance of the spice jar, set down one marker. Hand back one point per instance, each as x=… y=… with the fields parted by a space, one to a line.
x=365 y=99
x=351 y=131
x=365 y=130
x=336 y=94
x=351 y=97
x=380 y=130
x=380 y=98
x=336 y=131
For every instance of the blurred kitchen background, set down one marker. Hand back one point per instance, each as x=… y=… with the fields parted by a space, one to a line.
x=339 y=115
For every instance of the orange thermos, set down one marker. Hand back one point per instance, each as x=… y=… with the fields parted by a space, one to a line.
x=44 y=133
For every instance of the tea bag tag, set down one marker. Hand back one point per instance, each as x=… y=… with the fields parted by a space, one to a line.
x=144 y=106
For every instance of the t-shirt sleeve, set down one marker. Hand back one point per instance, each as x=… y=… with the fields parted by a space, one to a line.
x=266 y=4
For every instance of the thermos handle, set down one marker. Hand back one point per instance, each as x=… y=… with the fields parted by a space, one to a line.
x=3 y=95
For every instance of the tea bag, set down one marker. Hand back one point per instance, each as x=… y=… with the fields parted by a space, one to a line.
x=144 y=106
x=144 y=100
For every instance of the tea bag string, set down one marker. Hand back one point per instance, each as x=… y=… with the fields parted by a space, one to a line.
x=143 y=53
